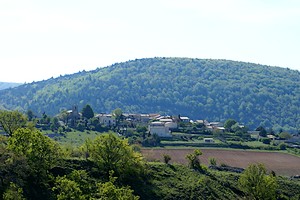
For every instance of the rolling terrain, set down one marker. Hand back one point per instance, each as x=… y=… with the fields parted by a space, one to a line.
x=5 y=85
x=215 y=90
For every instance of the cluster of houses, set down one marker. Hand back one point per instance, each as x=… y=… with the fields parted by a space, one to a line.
x=156 y=123
x=159 y=124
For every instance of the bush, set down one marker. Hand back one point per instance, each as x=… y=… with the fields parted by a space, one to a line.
x=266 y=140
x=212 y=161
x=282 y=146
x=167 y=158
x=193 y=159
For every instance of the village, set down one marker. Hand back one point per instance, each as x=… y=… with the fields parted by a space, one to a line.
x=153 y=129
x=176 y=130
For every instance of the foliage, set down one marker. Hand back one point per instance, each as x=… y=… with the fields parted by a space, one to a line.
x=266 y=140
x=262 y=131
x=87 y=112
x=114 y=154
x=13 y=193
x=193 y=159
x=218 y=89
x=11 y=121
x=67 y=189
x=282 y=146
x=141 y=129
x=167 y=158
x=285 y=135
x=109 y=190
x=54 y=124
x=41 y=152
x=29 y=169
x=118 y=115
x=257 y=184
x=229 y=123
x=178 y=182
x=30 y=115
x=151 y=140
x=212 y=161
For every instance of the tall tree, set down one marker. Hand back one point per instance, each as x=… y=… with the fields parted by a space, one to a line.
x=30 y=115
x=41 y=152
x=193 y=159
x=118 y=115
x=229 y=123
x=112 y=153
x=262 y=131
x=87 y=112
x=11 y=121
x=257 y=184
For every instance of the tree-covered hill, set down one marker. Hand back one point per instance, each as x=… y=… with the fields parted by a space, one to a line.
x=5 y=85
x=199 y=88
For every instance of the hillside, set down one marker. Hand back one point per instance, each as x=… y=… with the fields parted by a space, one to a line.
x=199 y=88
x=5 y=85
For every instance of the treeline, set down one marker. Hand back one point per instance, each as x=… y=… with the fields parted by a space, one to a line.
x=215 y=90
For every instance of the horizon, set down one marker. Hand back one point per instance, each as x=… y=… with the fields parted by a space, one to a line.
x=137 y=59
x=42 y=39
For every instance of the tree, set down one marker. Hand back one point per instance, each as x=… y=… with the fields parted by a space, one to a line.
x=193 y=159
x=167 y=158
x=118 y=115
x=282 y=146
x=87 y=112
x=13 y=193
x=54 y=124
x=266 y=140
x=256 y=184
x=285 y=135
x=113 y=153
x=262 y=131
x=30 y=115
x=41 y=152
x=67 y=189
x=109 y=190
x=152 y=140
x=11 y=121
x=141 y=129
x=229 y=123
x=45 y=119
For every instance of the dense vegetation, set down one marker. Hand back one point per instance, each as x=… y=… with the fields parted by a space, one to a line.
x=215 y=90
x=35 y=167
x=5 y=85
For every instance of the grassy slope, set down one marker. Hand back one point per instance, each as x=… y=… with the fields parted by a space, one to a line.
x=179 y=182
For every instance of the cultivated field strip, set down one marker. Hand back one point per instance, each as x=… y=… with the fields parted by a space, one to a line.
x=280 y=163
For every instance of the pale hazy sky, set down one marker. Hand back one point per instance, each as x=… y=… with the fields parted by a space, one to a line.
x=40 y=39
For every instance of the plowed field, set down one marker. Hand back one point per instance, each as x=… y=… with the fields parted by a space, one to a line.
x=281 y=163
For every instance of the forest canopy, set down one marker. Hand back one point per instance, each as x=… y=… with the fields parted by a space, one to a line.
x=216 y=90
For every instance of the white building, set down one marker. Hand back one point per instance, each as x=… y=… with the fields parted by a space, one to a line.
x=106 y=119
x=160 y=129
x=185 y=119
x=171 y=125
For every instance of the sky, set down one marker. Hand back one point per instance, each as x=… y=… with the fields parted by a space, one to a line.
x=40 y=39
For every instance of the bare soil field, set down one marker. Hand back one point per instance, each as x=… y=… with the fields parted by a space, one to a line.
x=281 y=163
